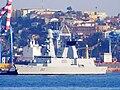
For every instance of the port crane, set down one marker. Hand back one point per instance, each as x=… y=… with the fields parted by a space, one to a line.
x=64 y=35
x=89 y=49
x=6 y=12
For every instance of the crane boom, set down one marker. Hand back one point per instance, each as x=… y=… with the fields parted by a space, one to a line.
x=7 y=10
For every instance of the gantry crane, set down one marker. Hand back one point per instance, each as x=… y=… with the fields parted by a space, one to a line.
x=64 y=35
x=6 y=12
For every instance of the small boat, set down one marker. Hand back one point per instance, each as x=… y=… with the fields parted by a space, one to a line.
x=7 y=69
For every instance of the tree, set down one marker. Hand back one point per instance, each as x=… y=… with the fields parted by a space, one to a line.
x=69 y=8
x=86 y=15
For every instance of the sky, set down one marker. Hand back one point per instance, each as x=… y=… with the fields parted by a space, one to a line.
x=111 y=7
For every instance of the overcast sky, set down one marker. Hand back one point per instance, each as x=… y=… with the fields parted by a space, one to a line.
x=111 y=7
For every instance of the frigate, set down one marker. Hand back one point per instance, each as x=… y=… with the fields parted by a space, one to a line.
x=67 y=64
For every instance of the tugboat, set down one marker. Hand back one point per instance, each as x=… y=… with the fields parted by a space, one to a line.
x=7 y=69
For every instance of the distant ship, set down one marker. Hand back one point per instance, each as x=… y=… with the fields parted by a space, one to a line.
x=68 y=64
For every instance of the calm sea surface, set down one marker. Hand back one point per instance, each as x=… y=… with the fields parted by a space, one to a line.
x=109 y=81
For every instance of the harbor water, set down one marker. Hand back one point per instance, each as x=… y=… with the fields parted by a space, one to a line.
x=109 y=81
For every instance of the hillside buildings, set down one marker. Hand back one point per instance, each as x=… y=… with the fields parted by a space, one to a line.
x=82 y=24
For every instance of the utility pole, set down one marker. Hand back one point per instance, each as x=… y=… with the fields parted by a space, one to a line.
x=96 y=10
x=42 y=4
x=110 y=45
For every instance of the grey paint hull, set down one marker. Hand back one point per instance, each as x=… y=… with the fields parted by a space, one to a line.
x=27 y=69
